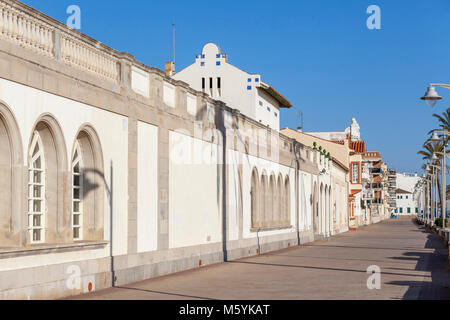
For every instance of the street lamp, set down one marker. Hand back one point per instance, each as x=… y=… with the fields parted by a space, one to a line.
x=431 y=96
x=435 y=141
x=428 y=198
x=444 y=133
x=435 y=186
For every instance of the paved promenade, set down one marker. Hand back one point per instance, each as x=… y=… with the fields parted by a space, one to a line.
x=413 y=263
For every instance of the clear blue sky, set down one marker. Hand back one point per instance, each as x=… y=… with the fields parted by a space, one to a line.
x=318 y=53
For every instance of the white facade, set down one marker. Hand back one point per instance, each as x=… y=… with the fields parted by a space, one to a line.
x=406 y=203
x=212 y=74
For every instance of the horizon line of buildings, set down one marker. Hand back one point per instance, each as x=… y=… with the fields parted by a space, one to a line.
x=370 y=185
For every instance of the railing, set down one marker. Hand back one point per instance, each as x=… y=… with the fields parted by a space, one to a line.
x=376 y=171
x=23 y=27
x=87 y=57
x=24 y=30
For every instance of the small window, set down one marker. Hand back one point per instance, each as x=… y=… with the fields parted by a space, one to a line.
x=406 y=197
x=210 y=83
x=249 y=87
x=203 y=56
x=217 y=63
x=409 y=210
x=276 y=114
x=218 y=83
x=249 y=80
x=203 y=83
x=202 y=63
x=260 y=103
x=256 y=79
x=217 y=55
x=417 y=210
x=401 y=210
x=268 y=109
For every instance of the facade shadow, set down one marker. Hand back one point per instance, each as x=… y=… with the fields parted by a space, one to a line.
x=435 y=286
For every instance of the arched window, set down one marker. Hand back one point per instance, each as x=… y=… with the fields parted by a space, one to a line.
x=280 y=204
x=77 y=193
x=263 y=201
x=254 y=200
x=287 y=210
x=271 y=216
x=88 y=186
x=36 y=190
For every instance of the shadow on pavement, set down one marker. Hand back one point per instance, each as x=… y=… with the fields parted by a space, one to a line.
x=319 y=268
x=165 y=293
x=436 y=263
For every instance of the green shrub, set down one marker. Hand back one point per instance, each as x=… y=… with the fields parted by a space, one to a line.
x=438 y=222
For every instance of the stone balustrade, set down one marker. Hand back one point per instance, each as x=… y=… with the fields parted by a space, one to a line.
x=89 y=58
x=28 y=28
x=24 y=30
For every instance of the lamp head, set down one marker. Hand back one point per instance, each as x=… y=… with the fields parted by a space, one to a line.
x=431 y=96
x=435 y=139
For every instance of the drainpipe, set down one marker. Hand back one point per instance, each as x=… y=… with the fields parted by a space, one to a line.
x=113 y=276
x=297 y=179
x=221 y=124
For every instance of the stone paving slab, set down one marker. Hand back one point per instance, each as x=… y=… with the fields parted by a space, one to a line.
x=413 y=263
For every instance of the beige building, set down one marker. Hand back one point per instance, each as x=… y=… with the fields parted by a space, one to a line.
x=377 y=187
x=113 y=172
x=337 y=180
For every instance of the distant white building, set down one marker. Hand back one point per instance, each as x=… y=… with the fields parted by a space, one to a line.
x=212 y=74
x=406 y=203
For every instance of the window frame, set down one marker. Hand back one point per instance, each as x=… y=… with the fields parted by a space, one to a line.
x=77 y=160
x=358 y=180
x=32 y=198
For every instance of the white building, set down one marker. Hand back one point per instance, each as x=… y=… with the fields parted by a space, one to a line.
x=406 y=203
x=212 y=74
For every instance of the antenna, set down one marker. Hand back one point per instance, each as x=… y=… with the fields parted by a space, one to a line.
x=300 y=114
x=173 y=35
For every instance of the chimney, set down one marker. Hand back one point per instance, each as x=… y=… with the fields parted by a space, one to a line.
x=170 y=68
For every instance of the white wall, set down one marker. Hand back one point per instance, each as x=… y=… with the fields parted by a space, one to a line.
x=140 y=81
x=147 y=197
x=406 y=182
x=305 y=199
x=404 y=201
x=194 y=198
x=233 y=194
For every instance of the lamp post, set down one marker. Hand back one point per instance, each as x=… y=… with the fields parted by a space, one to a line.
x=435 y=139
x=431 y=97
x=435 y=193
x=428 y=194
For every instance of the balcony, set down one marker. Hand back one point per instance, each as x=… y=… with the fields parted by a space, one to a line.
x=376 y=171
x=376 y=186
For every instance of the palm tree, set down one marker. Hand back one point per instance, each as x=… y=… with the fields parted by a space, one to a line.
x=427 y=152
x=444 y=122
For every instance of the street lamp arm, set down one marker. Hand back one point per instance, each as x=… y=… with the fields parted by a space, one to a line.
x=443 y=85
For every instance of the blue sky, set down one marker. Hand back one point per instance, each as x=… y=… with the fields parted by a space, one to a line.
x=317 y=53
